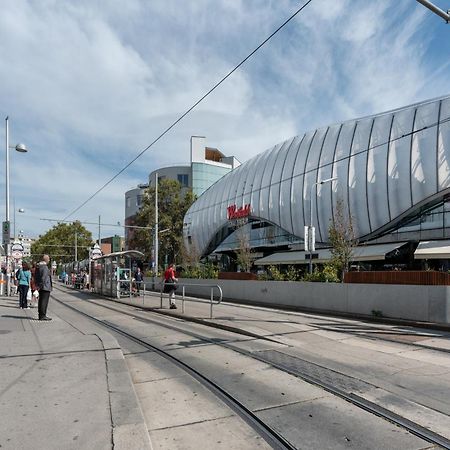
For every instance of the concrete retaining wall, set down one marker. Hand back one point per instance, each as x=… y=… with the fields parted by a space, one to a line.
x=421 y=303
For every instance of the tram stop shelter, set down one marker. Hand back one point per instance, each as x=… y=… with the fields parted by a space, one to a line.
x=112 y=273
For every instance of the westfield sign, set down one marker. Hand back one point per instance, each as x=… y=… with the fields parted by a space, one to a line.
x=233 y=212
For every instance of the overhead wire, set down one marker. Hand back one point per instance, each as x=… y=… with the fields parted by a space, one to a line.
x=179 y=119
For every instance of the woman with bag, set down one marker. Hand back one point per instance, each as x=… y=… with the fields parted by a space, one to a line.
x=24 y=279
x=35 y=292
x=169 y=285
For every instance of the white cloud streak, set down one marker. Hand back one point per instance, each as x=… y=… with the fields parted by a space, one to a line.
x=89 y=84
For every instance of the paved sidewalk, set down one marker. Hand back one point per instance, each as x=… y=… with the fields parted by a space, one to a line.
x=64 y=384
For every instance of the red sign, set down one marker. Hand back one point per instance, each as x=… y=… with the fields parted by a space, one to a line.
x=234 y=213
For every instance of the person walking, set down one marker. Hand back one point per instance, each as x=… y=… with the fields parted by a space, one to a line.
x=138 y=278
x=23 y=276
x=44 y=284
x=169 y=285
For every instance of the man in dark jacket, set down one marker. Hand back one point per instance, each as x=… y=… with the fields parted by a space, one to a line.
x=44 y=285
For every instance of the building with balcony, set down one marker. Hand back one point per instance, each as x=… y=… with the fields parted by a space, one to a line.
x=207 y=165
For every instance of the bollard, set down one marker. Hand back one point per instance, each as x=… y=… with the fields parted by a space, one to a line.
x=182 y=301
x=143 y=295
x=211 y=307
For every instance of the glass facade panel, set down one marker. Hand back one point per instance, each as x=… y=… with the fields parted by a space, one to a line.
x=399 y=183
x=340 y=168
x=274 y=190
x=357 y=177
x=423 y=152
x=183 y=179
x=311 y=176
x=205 y=175
x=285 y=187
x=324 y=212
x=266 y=180
x=376 y=172
x=444 y=145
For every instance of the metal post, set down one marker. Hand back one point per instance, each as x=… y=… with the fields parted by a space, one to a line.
x=436 y=10
x=182 y=300
x=310 y=225
x=143 y=295
x=156 y=224
x=211 y=304
x=328 y=180
x=76 y=250
x=7 y=205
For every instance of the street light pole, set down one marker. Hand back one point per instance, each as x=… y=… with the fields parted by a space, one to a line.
x=22 y=149
x=311 y=236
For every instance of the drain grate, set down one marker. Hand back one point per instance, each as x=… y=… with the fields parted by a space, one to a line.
x=306 y=369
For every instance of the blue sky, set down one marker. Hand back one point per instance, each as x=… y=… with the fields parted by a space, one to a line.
x=88 y=84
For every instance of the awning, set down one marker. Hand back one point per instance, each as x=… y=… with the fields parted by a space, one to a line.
x=363 y=253
x=376 y=252
x=433 y=250
x=319 y=256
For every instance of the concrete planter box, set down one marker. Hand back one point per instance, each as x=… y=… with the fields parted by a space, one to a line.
x=421 y=303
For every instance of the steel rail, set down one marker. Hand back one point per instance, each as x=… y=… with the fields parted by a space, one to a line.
x=352 y=398
x=272 y=437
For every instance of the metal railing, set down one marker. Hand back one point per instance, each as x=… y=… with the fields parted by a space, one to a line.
x=130 y=289
x=183 y=286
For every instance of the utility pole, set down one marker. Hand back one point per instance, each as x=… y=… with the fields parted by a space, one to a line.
x=76 y=249
x=156 y=224
x=99 y=238
x=436 y=10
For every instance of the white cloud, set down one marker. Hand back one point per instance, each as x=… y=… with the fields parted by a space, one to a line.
x=89 y=84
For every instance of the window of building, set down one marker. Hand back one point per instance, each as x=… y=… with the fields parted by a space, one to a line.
x=183 y=179
x=128 y=202
x=138 y=200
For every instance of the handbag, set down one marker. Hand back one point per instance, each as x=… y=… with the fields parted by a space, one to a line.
x=29 y=295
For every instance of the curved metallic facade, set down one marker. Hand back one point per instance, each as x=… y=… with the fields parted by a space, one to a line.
x=387 y=167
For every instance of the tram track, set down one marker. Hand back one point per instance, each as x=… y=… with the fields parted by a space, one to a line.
x=270 y=435
x=307 y=371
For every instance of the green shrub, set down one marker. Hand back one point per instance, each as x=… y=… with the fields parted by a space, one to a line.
x=204 y=271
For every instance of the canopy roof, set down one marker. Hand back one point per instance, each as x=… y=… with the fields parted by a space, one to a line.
x=433 y=250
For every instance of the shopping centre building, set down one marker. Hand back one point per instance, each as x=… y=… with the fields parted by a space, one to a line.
x=391 y=178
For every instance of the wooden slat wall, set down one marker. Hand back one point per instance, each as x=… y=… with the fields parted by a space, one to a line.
x=401 y=277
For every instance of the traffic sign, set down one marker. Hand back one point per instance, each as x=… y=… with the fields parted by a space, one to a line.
x=17 y=254
x=6 y=232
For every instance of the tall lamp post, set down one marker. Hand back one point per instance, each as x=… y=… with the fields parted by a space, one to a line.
x=311 y=235
x=21 y=148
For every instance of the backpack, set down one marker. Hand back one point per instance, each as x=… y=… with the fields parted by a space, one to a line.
x=18 y=274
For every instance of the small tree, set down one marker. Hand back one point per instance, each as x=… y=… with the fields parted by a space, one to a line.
x=244 y=252
x=342 y=239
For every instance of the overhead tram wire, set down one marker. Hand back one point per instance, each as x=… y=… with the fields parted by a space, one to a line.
x=299 y=10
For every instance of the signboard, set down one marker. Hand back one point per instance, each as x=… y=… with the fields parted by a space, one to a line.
x=310 y=239
x=96 y=252
x=17 y=250
x=6 y=232
x=238 y=216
